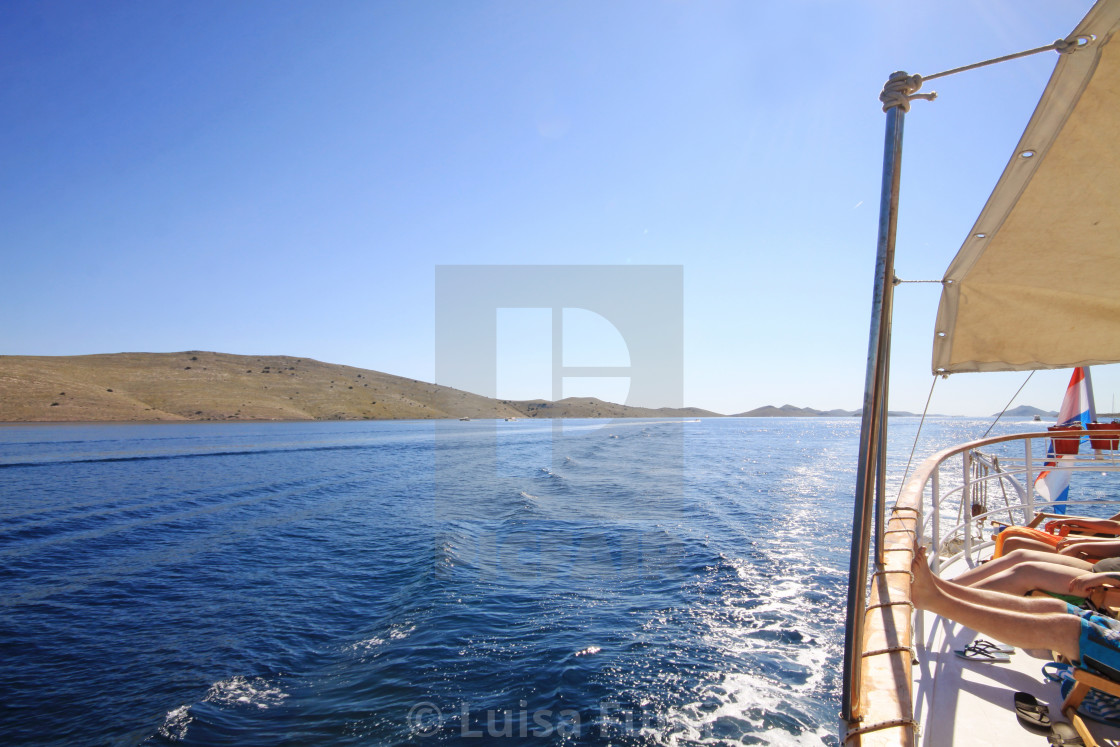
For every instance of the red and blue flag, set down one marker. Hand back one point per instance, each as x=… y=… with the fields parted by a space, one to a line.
x=1077 y=407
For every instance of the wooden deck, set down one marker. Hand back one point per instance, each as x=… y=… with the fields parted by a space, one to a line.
x=966 y=703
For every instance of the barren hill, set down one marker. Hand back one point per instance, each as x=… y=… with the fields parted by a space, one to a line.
x=198 y=385
x=790 y=411
x=590 y=407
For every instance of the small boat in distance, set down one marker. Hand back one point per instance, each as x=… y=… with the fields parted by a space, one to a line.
x=464 y=418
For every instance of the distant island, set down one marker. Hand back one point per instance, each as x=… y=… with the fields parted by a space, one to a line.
x=1026 y=411
x=199 y=385
x=790 y=411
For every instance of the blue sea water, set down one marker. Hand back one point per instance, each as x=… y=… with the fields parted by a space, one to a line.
x=591 y=582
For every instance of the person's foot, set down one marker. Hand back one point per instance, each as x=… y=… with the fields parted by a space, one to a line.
x=923 y=587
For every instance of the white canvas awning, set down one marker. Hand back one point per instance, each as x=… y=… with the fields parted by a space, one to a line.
x=1037 y=283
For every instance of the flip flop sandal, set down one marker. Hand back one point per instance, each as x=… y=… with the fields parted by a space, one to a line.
x=1034 y=716
x=992 y=646
x=972 y=652
x=1062 y=734
x=1098 y=610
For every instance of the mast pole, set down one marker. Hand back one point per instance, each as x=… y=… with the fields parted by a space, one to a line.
x=1089 y=393
x=869 y=476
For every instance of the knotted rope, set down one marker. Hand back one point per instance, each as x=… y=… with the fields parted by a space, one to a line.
x=1061 y=46
x=901 y=89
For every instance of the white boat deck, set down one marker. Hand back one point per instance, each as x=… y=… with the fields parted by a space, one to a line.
x=961 y=702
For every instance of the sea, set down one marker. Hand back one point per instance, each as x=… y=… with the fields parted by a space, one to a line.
x=627 y=582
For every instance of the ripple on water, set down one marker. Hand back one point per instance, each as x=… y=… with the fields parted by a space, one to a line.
x=314 y=582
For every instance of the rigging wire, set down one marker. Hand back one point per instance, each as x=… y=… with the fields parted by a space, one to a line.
x=1062 y=46
x=1005 y=407
x=906 y=87
x=914 y=448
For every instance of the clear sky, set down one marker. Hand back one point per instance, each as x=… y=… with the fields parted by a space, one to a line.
x=284 y=177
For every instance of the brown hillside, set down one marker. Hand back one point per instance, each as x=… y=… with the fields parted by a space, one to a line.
x=216 y=386
x=198 y=385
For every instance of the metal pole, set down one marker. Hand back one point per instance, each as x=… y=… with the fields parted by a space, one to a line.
x=1089 y=392
x=884 y=421
x=881 y=481
x=966 y=505
x=935 y=494
x=1030 y=480
x=874 y=395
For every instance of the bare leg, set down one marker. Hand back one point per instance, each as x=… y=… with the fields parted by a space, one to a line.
x=1026 y=577
x=1034 y=622
x=1003 y=600
x=1012 y=544
x=973 y=576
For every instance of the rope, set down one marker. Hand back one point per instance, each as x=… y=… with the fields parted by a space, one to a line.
x=900 y=281
x=914 y=448
x=904 y=722
x=1003 y=489
x=900 y=89
x=892 y=650
x=993 y=425
x=1061 y=46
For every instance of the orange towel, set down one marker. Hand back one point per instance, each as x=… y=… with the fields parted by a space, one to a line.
x=1034 y=534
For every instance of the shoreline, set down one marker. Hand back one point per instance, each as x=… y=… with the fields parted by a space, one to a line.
x=7 y=423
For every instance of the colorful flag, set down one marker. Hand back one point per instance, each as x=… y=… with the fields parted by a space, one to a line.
x=1077 y=407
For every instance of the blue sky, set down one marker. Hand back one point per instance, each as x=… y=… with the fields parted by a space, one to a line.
x=284 y=177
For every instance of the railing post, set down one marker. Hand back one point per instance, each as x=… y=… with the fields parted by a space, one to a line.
x=935 y=488
x=1030 y=479
x=966 y=503
x=918 y=634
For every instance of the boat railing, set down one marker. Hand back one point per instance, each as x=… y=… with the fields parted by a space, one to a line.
x=946 y=505
x=998 y=489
